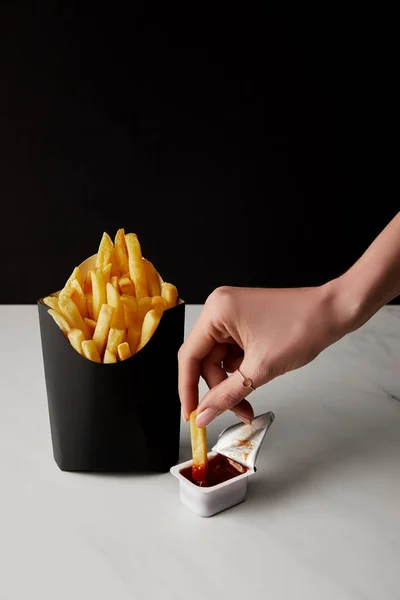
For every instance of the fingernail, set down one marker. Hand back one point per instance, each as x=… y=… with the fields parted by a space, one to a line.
x=185 y=417
x=205 y=417
x=246 y=420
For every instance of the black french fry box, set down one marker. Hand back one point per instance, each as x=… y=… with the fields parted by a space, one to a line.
x=121 y=417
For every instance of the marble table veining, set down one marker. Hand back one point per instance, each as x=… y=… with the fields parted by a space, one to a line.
x=321 y=520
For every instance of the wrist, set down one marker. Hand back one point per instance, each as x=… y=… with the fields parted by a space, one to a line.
x=351 y=302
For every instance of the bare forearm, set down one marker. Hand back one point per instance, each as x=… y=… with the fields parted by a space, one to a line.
x=374 y=279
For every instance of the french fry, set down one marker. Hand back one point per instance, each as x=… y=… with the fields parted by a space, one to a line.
x=130 y=310
x=150 y=324
x=51 y=302
x=133 y=334
x=105 y=253
x=90 y=351
x=169 y=294
x=60 y=320
x=98 y=291
x=76 y=337
x=121 y=252
x=91 y=324
x=100 y=334
x=198 y=439
x=87 y=286
x=114 y=299
x=109 y=357
x=124 y=351
x=78 y=297
x=89 y=305
x=114 y=282
x=107 y=273
x=126 y=286
x=70 y=311
x=144 y=305
x=158 y=304
x=136 y=266
x=77 y=276
x=152 y=278
x=115 y=337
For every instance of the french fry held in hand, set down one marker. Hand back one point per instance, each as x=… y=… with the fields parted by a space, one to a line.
x=198 y=439
x=110 y=311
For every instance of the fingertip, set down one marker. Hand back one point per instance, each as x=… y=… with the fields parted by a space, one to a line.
x=244 y=411
x=205 y=417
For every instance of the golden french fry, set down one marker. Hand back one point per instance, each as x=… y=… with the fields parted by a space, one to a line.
x=78 y=297
x=76 y=337
x=126 y=286
x=130 y=310
x=115 y=337
x=105 y=253
x=89 y=305
x=144 y=305
x=90 y=323
x=133 y=334
x=77 y=276
x=169 y=294
x=114 y=300
x=109 y=357
x=124 y=351
x=56 y=294
x=90 y=351
x=60 y=320
x=51 y=302
x=70 y=311
x=107 y=273
x=153 y=280
x=150 y=324
x=198 y=439
x=100 y=334
x=136 y=265
x=158 y=304
x=114 y=282
x=121 y=252
x=98 y=291
x=87 y=286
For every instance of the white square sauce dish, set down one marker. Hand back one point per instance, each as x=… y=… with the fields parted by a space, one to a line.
x=231 y=463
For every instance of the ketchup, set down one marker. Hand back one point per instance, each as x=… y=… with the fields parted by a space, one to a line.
x=219 y=469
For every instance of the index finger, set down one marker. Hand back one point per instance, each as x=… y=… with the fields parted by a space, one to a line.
x=197 y=346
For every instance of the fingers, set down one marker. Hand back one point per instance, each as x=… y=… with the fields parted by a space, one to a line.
x=214 y=374
x=244 y=411
x=197 y=346
x=233 y=358
x=211 y=369
x=226 y=395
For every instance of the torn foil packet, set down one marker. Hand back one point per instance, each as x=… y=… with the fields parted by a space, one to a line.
x=241 y=442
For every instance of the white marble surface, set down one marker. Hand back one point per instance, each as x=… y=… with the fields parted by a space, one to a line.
x=321 y=520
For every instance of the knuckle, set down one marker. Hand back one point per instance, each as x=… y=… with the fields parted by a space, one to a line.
x=221 y=298
x=181 y=353
x=227 y=400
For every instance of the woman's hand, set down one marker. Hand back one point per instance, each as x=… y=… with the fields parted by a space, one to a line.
x=264 y=332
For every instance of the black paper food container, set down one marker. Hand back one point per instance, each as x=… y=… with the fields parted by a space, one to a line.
x=121 y=417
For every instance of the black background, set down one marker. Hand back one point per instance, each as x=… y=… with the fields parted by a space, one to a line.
x=243 y=146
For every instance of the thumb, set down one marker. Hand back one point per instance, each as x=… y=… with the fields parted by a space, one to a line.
x=226 y=395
